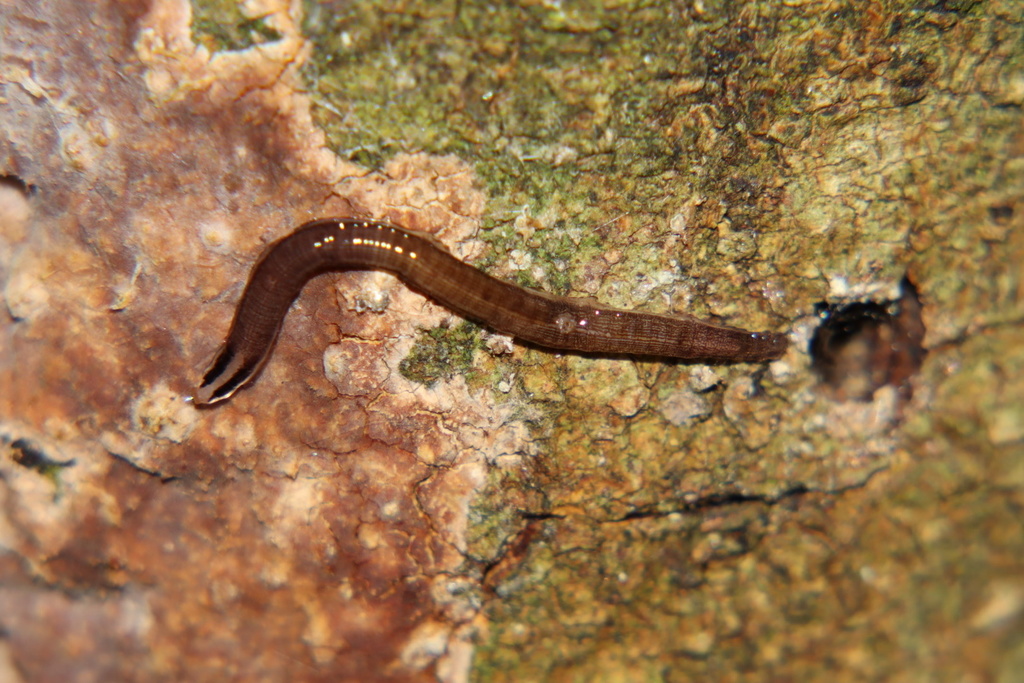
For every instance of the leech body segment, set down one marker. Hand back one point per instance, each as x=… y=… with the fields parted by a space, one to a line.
x=554 y=322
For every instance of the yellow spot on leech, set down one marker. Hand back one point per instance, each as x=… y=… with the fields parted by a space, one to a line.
x=398 y=249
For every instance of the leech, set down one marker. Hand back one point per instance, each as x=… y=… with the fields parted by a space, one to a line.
x=553 y=322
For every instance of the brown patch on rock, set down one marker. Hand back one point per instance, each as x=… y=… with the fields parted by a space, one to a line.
x=299 y=531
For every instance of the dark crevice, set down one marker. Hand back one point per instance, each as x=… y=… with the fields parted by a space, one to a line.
x=512 y=554
x=163 y=477
x=14 y=182
x=32 y=457
x=540 y=516
x=712 y=502
x=860 y=347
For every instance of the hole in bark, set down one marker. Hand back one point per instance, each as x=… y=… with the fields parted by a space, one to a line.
x=15 y=183
x=1000 y=215
x=860 y=347
x=32 y=457
x=14 y=205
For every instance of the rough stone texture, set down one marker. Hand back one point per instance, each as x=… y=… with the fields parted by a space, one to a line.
x=549 y=517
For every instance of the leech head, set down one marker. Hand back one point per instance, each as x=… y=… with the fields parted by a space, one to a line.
x=773 y=343
x=228 y=372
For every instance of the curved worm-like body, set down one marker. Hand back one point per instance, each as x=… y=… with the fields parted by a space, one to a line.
x=553 y=322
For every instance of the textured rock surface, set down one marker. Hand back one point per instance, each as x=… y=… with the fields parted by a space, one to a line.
x=529 y=516
x=308 y=529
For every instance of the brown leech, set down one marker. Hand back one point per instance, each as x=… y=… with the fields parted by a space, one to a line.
x=554 y=322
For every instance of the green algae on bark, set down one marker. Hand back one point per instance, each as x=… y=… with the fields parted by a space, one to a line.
x=743 y=160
